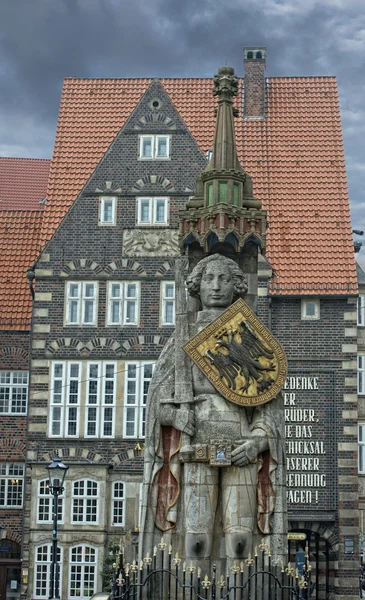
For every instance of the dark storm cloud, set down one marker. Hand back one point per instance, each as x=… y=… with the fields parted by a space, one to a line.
x=43 y=41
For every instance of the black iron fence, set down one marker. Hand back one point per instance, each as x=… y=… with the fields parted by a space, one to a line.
x=166 y=577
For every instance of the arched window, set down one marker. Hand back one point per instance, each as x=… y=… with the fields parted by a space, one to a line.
x=9 y=549
x=82 y=572
x=250 y=54
x=42 y=570
x=85 y=494
x=45 y=504
x=259 y=54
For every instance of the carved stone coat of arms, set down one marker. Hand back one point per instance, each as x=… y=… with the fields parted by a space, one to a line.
x=240 y=357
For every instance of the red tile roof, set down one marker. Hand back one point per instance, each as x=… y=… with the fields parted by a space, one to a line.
x=295 y=157
x=19 y=247
x=296 y=160
x=23 y=182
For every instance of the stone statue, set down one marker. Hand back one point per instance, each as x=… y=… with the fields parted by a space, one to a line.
x=220 y=507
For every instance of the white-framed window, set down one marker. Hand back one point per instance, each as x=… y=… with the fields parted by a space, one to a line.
x=100 y=399
x=152 y=211
x=81 y=303
x=118 y=504
x=361 y=374
x=13 y=392
x=83 y=563
x=45 y=504
x=123 y=302
x=167 y=302
x=107 y=210
x=65 y=399
x=361 y=310
x=42 y=570
x=137 y=380
x=310 y=309
x=154 y=147
x=85 y=493
x=11 y=485
x=362 y=448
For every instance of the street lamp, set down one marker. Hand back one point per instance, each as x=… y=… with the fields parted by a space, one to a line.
x=57 y=473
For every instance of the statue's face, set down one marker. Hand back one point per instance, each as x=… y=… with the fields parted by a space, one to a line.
x=216 y=286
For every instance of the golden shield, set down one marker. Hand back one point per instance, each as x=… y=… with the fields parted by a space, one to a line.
x=240 y=357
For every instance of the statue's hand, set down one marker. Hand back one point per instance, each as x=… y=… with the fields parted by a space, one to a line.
x=181 y=419
x=246 y=452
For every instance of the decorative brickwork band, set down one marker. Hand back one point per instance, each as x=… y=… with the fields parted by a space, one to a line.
x=14 y=354
x=11 y=449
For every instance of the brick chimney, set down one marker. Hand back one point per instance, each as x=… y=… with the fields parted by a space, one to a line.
x=254 y=85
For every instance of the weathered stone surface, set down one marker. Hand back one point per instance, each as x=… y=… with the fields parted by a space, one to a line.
x=210 y=512
x=150 y=242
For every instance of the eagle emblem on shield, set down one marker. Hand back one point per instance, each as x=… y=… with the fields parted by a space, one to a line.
x=240 y=356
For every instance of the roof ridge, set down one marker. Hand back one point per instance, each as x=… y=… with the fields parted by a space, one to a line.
x=302 y=77
x=162 y=78
x=24 y=158
x=151 y=78
x=21 y=210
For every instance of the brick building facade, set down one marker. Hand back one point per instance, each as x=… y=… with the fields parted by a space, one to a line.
x=104 y=308
x=321 y=420
x=99 y=431
x=23 y=184
x=361 y=399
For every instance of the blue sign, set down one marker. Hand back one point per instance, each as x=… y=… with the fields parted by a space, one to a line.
x=300 y=564
x=4 y=548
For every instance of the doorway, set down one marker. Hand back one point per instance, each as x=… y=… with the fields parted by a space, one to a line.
x=322 y=577
x=10 y=570
x=10 y=580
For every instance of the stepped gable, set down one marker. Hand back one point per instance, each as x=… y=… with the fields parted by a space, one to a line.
x=294 y=156
x=23 y=182
x=19 y=248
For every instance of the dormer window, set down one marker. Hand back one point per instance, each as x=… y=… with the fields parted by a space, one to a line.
x=310 y=309
x=154 y=147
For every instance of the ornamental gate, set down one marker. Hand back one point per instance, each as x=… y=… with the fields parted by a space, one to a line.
x=165 y=577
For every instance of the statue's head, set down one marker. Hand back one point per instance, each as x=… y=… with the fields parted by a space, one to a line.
x=217 y=281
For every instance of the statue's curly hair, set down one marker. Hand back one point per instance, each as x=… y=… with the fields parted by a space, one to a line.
x=194 y=279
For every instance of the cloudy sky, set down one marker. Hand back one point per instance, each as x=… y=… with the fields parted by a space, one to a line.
x=43 y=41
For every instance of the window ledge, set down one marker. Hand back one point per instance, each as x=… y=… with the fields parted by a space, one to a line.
x=154 y=158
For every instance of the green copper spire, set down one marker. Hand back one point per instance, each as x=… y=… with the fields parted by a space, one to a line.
x=224 y=180
x=224 y=146
x=223 y=215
